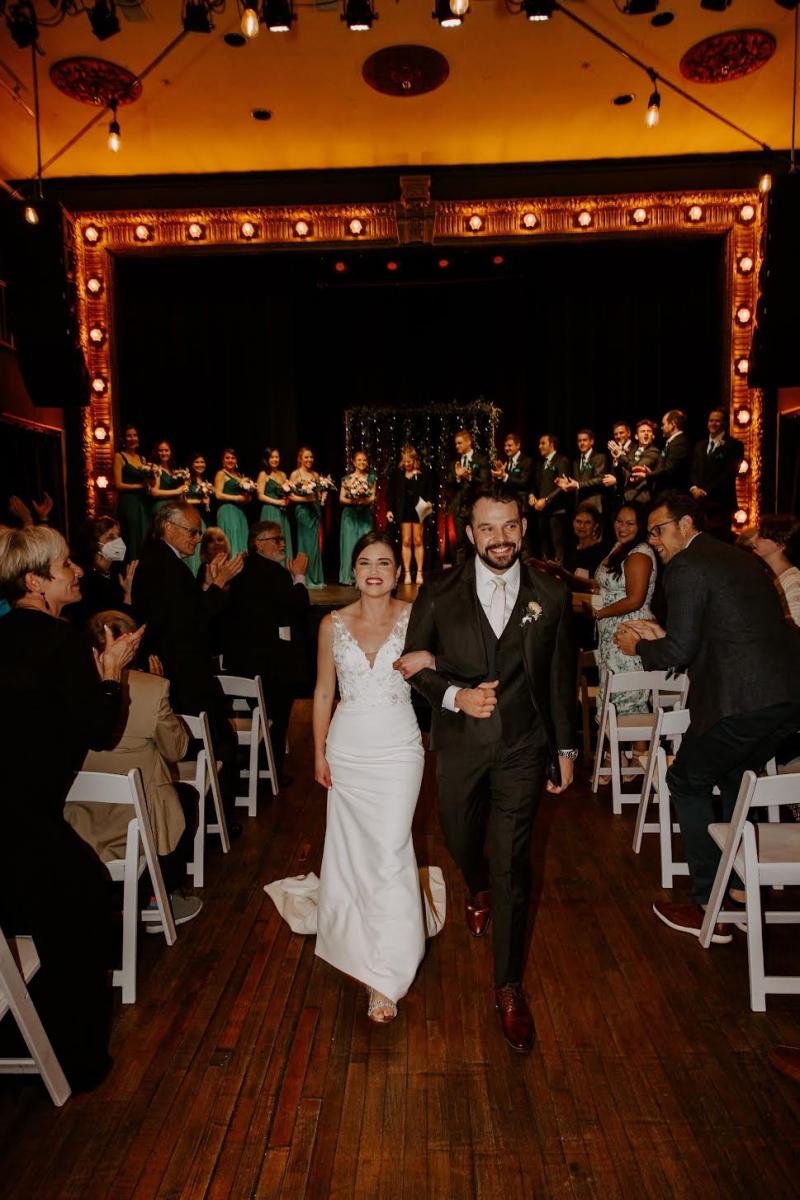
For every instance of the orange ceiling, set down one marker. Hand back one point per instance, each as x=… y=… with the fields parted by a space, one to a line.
x=517 y=92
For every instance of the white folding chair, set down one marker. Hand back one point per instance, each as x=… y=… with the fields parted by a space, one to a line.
x=670 y=727
x=664 y=689
x=762 y=855
x=96 y=787
x=587 y=699
x=19 y=962
x=202 y=773
x=252 y=730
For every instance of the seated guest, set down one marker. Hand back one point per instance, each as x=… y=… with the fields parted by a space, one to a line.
x=154 y=740
x=584 y=555
x=777 y=543
x=263 y=626
x=725 y=625
x=177 y=614
x=213 y=543
x=98 y=549
x=715 y=465
x=56 y=702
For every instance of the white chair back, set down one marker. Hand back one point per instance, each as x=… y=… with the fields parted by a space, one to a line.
x=19 y=962
x=252 y=731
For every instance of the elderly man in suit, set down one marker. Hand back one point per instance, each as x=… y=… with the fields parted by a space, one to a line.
x=725 y=625
x=715 y=466
x=263 y=627
x=503 y=700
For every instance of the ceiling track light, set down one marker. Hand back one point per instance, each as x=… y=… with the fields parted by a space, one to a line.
x=197 y=16
x=359 y=15
x=114 y=135
x=538 y=10
x=653 y=114
x=103 y=19
x=447 y=17
x=639 y=8
x=251 y=18
x=22 y=24
x=715 y=5
x=278 y=15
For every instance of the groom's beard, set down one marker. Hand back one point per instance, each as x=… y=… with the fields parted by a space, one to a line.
x=504 y=561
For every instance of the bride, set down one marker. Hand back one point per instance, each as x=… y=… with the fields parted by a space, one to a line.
x=369 y=756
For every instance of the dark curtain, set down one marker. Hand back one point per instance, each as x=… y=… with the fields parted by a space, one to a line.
x=270 y=348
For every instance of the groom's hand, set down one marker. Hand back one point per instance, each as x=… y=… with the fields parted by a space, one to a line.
x=567 y=772
x=477 y=702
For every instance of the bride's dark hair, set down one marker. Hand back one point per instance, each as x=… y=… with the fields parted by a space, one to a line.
x=374 y=538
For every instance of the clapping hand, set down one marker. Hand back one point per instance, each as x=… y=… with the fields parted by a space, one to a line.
x=609 y=480
x=155 y=665
x=221 y=570
x=615 y=448
x=19 y=509
x=478 y=702
x=43 y=507
x=299 y=564
x=415 y=660
x=117 y=653
x=126 y=580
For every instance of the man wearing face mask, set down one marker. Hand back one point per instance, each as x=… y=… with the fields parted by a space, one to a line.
x=100 y=550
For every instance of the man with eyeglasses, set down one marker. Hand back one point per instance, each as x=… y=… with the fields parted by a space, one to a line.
x=726 y=627
x=264 y=628
x=177 y=612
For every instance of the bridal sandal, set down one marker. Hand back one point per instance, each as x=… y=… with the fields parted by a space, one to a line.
x=380 y=1009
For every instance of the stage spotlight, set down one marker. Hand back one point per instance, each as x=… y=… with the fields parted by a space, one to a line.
x=103 y=19
x=250 y=20
x=197 y=17
x=358 y=15
x=22 y=24
x=278 y=16
x=445 y=15
x=538 y=10
x=31 y=215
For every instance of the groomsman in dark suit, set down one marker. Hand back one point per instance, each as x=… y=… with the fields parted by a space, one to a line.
x=635 y=480
x=503 y=701
x=548 y=500
x=516 y=470
x=671 y=473
x=726 y=626
x=715 y=465
x=589 y=468
x=469 y=470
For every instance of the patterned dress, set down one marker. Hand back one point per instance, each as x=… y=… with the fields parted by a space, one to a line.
x=609 y=656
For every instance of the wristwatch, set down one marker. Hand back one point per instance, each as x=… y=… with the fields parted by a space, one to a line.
x=573 y=754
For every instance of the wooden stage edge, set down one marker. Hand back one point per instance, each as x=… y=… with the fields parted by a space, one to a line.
x=337 y=595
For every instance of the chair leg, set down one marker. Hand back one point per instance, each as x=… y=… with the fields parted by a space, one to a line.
x=130 y=930
x=252 y=782
x=272 y=770
x=30 y=1026
x=665 y=834
x=196 y=868
x=755 y=933
x=598 y=753
x=717 y=893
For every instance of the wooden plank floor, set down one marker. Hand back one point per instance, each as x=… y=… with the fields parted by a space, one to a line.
x=248 y=1068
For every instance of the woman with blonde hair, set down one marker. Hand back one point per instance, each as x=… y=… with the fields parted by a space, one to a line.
x=408 y=486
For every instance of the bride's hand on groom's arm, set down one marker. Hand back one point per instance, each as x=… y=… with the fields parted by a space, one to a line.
x=322 y=772
x=416 y=660
x=477 y=702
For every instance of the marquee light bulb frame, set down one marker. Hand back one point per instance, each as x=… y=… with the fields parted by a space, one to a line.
x=503 y=223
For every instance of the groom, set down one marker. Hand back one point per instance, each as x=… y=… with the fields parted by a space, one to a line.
x=503 y=700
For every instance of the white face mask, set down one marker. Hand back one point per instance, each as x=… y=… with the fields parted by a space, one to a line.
x=114 y=550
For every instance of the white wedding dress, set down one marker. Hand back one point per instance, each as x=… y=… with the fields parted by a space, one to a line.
x=368 y=908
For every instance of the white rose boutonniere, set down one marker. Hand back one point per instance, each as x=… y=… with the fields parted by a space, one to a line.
x=533 y=610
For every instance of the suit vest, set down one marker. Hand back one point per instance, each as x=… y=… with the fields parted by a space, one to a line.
x=515 y=710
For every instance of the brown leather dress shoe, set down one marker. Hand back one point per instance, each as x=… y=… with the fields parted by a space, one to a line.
x=786 y=1059
x=516 y=1019
x=478 y=911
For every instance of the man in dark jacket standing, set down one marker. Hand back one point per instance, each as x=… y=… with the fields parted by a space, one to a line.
x=726 y=627
x=715 y=466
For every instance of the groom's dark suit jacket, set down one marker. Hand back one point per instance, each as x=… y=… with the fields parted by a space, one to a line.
x=447 y=620
x=725 y=625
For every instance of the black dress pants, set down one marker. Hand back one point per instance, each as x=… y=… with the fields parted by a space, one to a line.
x=490 y=793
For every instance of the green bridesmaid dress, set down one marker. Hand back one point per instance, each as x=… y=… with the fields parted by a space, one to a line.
x=277 y=513
x=232 y=520
x=133 y=509
x=356 y=520
x=167 y=483
x=193 y=561
x=308 y=518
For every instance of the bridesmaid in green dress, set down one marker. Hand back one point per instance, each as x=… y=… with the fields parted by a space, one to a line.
x=166 y=485
x=308 y=512
x=232 y=495
x=198 y=494
x=272 y=489
x=357 y=495
x=131 y=480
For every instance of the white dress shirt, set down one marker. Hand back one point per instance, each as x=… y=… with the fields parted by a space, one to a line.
x=485 y=588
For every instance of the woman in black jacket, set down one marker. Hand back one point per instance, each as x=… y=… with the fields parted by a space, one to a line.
x=409 y=484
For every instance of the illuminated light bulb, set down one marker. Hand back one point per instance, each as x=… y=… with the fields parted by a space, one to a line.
x=695 y=213
x=584 y=219
x=98 y=385
x=114 y=135
x=142 y=233
x=195 y=231
x=459 y=8
x=745 y=264
x=475 y=222
x=743 y=315
x=639 y=216
x=653 y=114
x=356 y=227
x=91 y=234
x=744 y=467
x=740 y=516
x=340 y=267
x=498 y=260
x=102 y=482
x=302 y=228
x=391 y=265
x=744 y=416
x=100 y=433
x=529 y=220
x=747 y=212
x=94 y=285
x=444 y=263
x=764 y=184
x=31 y=215
x=96 y=335
x=250 y=22
x=248 y=229
x=742 y=366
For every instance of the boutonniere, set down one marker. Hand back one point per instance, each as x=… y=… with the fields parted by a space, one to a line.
x=533 y=610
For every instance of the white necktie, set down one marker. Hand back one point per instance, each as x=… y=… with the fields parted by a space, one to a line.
x=497 y=608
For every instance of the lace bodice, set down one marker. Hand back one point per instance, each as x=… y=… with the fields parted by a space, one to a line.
x=376 y=686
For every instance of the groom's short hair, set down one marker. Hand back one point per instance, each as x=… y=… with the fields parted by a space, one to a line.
x=498 y=493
